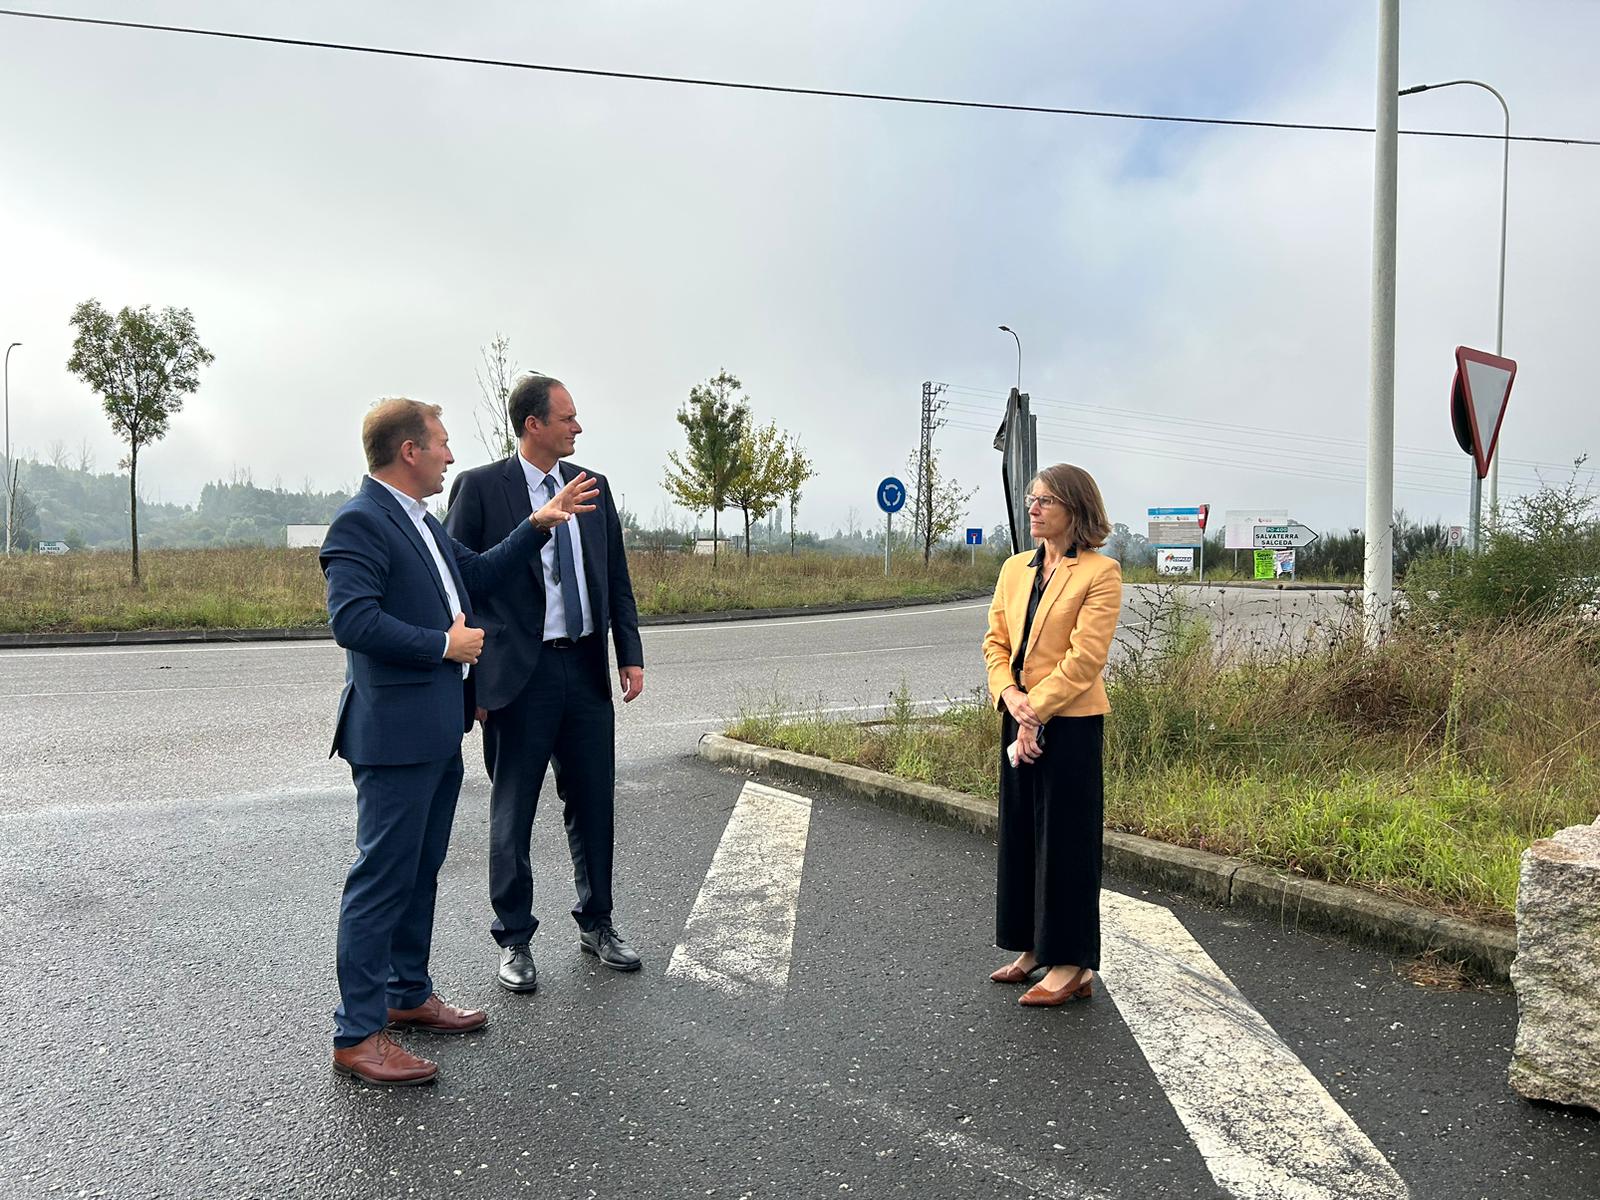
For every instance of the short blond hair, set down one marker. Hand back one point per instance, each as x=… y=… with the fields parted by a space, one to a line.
x=1088 y=527
x=390 y=424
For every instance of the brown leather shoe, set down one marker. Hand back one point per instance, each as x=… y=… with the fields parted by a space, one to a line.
x=383 y=1061
x=1011 y=973
x=1079 y=987
x=437 y=1015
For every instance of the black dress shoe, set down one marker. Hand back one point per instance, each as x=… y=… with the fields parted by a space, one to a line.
x=609 y=946
x=517 y=972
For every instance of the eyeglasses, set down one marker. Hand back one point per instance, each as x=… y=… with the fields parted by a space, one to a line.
x=1042 y=503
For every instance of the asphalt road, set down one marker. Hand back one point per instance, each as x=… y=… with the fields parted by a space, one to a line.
x=173 y=841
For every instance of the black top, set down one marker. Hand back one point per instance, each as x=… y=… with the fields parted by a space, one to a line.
x=1037 y=565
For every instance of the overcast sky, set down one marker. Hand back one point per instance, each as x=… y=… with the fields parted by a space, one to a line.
x=345 y=227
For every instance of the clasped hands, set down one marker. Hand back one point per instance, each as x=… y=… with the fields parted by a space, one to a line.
x=1028 y=723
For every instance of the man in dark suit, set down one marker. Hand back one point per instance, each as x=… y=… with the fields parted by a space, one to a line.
x=546 y=692
x=399 y=602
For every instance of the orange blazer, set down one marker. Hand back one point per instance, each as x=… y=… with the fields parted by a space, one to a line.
x=1070 y=638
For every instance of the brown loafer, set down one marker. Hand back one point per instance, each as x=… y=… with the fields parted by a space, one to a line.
x=1079 y=987
x=383 y=1061
x=1011 y=973
x=437 y=1015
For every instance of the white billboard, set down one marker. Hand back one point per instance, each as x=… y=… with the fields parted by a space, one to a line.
x=1240 y=523
x=306 y=537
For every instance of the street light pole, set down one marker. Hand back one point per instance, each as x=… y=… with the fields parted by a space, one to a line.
x=1013 y=333
x=10 y=470
x=1500 y=310
x=1377 y=583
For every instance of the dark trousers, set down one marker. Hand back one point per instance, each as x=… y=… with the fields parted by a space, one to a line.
x=1052 y=816
x=563 y=716
x=403 y=818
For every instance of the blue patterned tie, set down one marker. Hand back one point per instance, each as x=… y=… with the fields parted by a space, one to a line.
x=566 y=571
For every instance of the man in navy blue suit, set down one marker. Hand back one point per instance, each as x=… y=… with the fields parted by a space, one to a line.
x=400 y=603
x=547 y=691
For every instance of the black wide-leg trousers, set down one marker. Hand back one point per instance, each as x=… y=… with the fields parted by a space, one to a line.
x=1052 y=819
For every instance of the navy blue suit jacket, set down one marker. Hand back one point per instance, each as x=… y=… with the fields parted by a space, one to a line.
x=488 y=501
x=403 y=701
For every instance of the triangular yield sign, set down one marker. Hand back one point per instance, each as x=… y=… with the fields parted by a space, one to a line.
x=1478 y=402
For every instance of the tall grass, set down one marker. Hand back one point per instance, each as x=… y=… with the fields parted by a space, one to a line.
x=1421 y=769
x=258 y=587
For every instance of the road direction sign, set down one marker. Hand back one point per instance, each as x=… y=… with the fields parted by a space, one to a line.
x=1283 y=537
x=1478 y=396
x=891 y=495
x=975 y=537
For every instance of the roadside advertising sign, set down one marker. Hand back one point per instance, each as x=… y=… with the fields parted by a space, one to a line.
x=1175 y=560
x=1177 y=526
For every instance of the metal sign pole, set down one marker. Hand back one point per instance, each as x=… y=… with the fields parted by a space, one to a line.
x=1475 y=511
x=888 y=540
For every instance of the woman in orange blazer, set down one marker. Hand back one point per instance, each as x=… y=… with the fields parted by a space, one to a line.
x=1050 y=629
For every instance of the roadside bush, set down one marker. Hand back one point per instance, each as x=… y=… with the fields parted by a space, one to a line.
x=1542 y=560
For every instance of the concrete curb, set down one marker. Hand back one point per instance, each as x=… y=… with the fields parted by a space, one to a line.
x=302 y=633
x=1295 y=903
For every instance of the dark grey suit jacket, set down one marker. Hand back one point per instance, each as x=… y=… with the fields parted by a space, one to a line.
x=486 y=503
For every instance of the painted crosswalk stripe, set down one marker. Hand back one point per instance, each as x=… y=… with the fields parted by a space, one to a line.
x=740 y=933
x=1267 y=1129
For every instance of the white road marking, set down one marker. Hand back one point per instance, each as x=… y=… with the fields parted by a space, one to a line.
x=328 y=644
x=712 y=722
x=1267 y=1129
x=790 y=622
x=185 y=648
x=740 y=934
x=345 y=791
x=328 y=682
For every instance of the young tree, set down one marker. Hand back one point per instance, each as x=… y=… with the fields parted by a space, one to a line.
x=798 y=471
x=493 y=416
x=948 y=505
x=24 y=528
x=760 y=487
x=142 y=364
x=715 y=420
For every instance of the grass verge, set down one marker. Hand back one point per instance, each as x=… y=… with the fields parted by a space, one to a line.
x=259 y=587
x=1420 y=770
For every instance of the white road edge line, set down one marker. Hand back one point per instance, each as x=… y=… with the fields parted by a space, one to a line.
x=328 y=643
x=1267 y=1129
x=740 y=934
x=712 y=722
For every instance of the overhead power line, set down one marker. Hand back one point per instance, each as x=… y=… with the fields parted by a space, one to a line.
x=770 y=88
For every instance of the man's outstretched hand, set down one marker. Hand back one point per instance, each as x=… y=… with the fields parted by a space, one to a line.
x=577 y=497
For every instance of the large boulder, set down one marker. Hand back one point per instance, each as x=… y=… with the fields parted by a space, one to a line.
x=1557 y=969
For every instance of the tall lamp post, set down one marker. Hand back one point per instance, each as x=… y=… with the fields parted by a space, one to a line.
x=1500 y=314
x=1013 y=333
x=10 y=470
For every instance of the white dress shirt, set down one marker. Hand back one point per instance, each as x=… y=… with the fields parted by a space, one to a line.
x=417 y=510
x=555 y=609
